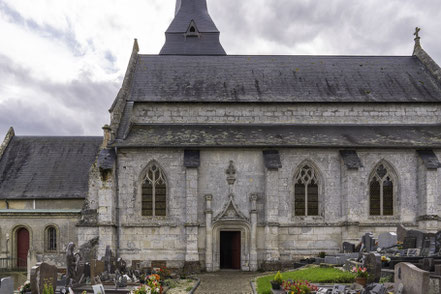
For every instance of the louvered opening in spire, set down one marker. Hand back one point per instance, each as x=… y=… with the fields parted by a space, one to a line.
x=192 y=31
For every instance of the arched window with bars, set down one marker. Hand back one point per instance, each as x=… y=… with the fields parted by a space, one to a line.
x=306 y=191
x=51 y=238
x=381 y=191
x=154 y=192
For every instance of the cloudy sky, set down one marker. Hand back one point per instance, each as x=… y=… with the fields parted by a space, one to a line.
x=62 y=61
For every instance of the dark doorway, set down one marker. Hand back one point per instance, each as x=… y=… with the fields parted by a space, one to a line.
x=229 y=250
x=22 y=247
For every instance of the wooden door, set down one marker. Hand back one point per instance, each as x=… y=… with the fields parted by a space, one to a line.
x=235 y=252
x=22 y=247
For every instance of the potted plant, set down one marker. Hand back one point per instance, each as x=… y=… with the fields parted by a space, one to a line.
x=277 y=281
x=361 y=275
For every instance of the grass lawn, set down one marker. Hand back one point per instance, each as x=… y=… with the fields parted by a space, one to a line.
x=312 y=274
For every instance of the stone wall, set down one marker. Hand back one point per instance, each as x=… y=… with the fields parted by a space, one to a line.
x=164 y=238
x=36 y=225
x=348 y=113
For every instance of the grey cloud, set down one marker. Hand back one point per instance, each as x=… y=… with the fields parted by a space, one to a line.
x=89 y=99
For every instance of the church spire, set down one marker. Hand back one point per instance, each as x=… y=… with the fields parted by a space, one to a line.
x=192 y=31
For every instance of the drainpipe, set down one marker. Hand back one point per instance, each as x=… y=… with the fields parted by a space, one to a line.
x=117 y=219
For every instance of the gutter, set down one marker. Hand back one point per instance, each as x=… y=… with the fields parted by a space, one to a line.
x=117 y=218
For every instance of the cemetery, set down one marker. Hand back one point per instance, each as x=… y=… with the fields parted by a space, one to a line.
x=408 y=261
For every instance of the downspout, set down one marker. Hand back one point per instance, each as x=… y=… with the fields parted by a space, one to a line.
x=117 y=219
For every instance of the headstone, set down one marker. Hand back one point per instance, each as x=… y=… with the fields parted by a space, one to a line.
x=438 y=242
x=418 y=235
x=7 y=286
x=409 y=242
x=373 y=266
x=429 y=245
x=42 y=274
x=387 y=240
x=369 y=242
x=98 y=289
x=136 y=265
x=428 y=264
x=414 y=280
x=96 y=269
x=401 y=233
x=348 y=247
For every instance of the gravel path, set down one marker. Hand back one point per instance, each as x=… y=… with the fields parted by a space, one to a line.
x=226 y=282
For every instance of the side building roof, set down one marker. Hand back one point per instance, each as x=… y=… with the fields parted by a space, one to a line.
x=47 y=167
x=159 y=78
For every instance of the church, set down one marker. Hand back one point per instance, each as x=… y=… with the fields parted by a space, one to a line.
x=214 y=161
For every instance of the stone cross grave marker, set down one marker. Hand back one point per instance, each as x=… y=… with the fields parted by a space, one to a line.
x=7 y=286
x=414 y=280
x=387 y=240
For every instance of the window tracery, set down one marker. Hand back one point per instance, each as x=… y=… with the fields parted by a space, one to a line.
x=381 y=192
x=154 y=191
x=306 y=192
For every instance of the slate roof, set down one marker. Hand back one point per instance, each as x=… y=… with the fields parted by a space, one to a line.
x=47 y=167
x=326 y=136
x=160 y=78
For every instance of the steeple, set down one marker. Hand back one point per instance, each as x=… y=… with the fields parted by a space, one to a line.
x=192 y=31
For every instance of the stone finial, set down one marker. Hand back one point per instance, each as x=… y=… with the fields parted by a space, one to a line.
x=135 y=46
x=107 y=135
x=231 y=173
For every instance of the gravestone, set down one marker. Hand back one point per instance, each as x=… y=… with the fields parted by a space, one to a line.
x=429 y=245
x=428 y=264
x=401 y=233
x=7 y=286
x=373 y=266
x=136 y=265
x=414 y=280
x=42 y=274
x=438 y=242
x=375 y=288
x=387 y=240
x=369 y=242
x=409 y=242
x=97 y=267
x=348 y=247
x=419 y=237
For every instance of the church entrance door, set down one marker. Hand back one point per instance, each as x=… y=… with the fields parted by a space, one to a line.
x=230 y=249
x=22 y=247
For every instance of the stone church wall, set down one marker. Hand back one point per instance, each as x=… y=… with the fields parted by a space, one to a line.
x=349 y=113
x=344 y=207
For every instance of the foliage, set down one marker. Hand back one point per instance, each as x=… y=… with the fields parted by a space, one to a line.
x=278 y=278
x=360 y=272
x=164 y=273
x=312 y=274
x=322 y=254
x=386 y=279
x=152 y=285
x=299 y=287
x=189 y=288
x=48 y=289
x=26 y=287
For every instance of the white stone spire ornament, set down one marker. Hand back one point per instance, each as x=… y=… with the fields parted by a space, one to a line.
x=417 y=37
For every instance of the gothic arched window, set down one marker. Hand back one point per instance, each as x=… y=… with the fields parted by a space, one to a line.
x=306 y=192
x=51 y=238
x=154 y=191
x=381 y=192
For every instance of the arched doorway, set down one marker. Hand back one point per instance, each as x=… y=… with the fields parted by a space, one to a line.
x=22 y=238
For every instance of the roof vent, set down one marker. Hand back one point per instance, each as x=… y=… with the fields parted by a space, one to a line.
x=192 y=30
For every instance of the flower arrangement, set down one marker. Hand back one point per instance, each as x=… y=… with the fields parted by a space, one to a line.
x=360 y=272
x=298 y=287
x=277 y=281
x=164 y=273
x=385 y=259
x=26 y=287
